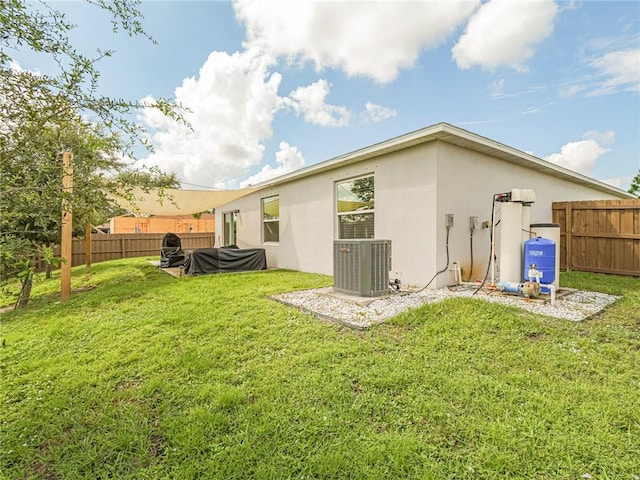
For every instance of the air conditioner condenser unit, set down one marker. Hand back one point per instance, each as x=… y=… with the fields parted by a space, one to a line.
x=361 y=267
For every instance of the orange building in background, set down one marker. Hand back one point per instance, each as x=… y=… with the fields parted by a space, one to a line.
x=161 y=224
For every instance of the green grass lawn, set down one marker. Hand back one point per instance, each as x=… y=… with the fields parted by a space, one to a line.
x=147 y=376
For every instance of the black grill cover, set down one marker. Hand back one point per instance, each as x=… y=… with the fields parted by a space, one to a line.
x=217 y=260
x=171 y=254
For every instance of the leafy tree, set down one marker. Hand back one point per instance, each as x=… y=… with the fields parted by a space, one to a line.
x=635 y=185
x=31 y=198
x=74 y=86
x=148 y=179
x=41 y=115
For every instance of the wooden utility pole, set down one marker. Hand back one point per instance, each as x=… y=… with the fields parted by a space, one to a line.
x=66 y=242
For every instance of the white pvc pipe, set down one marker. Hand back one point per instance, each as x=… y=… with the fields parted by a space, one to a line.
x=492 y=260
x=552 y=289
x=525 y=224
x=457 y=272
x=511 y=242
x=524 y=229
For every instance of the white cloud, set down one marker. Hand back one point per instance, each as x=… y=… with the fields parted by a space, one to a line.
x=232 y=103
x=532 y=111
x=578 y=156
x=487 y=121
x=620 y=182
x=570 y=5
x=581 y=156
x=497 y=91
x=570 y=90
x=496 y=88
x=619 y=70
x=504 y=33
x=611 y=65
x=377 y=113
x=607 y=137
x=373 y=39
x=230 y=106
x=310 y=102
x=14 y=66
x=288 y=159
x=234 y=98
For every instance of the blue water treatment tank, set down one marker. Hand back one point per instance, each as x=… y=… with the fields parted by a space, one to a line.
x=540 y=252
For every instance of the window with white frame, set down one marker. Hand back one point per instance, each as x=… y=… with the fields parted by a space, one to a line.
x=355 y=208
x=271 y=219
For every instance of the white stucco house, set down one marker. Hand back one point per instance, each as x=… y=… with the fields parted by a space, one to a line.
x=400 y=190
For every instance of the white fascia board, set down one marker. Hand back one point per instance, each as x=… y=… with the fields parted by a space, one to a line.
x=457 y=136
x=514 y=155
x=397 y=143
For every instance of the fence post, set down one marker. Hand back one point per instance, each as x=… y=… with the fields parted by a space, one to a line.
x=87 y=245
x=568 y=225
x=122 y=249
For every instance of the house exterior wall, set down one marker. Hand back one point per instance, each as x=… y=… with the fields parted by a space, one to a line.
x=158 y=224
x=308 y=220
x=414 y=188
x=467 y=181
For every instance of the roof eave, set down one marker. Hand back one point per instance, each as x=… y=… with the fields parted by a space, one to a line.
x=457 y=136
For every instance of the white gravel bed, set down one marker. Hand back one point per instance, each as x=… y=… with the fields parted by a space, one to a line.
x=575 y=306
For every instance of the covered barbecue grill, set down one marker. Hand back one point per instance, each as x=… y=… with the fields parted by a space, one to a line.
x=218 y=260
x=171 y=254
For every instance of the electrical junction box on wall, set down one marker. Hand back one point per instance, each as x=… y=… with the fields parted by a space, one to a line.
x=448 y=220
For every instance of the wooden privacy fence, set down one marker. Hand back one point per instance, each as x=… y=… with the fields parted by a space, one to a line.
x=114 y=246
x=599 y=236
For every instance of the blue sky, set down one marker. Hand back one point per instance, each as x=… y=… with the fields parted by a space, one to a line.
x=276 y=85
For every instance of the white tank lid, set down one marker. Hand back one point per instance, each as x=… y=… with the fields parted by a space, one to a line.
x=523 y=195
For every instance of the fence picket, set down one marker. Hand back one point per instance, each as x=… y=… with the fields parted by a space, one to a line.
x=599 y=236
x=115 y=246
